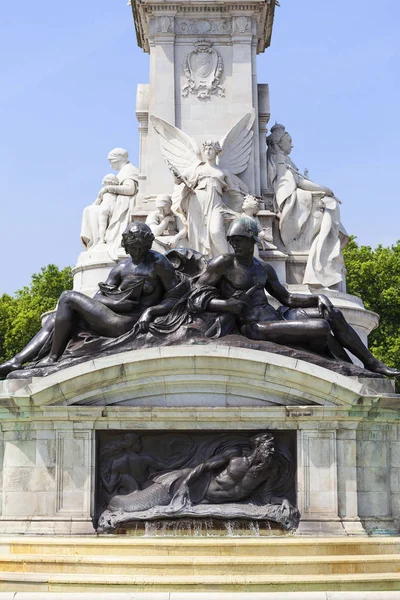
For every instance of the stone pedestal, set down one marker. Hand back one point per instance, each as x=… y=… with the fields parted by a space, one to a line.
x=175 y=35
x=347 y=431
x=92 y=267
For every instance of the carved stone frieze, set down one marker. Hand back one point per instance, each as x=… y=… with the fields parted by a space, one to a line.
x=164 y=24
x=203 y=69
x=241 y=25
x=219 y=474
x=202 y=26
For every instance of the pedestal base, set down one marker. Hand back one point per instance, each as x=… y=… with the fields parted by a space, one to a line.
x=92 y=267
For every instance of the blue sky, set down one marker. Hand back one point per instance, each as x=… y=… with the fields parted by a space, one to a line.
x=69 y=72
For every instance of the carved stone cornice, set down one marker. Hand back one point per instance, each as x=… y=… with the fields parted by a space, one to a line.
x=203 y=10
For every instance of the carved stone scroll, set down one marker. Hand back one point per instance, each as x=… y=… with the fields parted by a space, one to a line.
x=202 y=26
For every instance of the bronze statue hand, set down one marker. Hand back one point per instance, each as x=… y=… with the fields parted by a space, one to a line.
x=235 y=305
x=143 y=323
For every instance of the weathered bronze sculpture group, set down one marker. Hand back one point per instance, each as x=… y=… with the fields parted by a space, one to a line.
x=151 y=295
x=151 y=299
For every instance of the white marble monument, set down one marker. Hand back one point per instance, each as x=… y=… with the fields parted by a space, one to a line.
x=203 y=159
x=203 y=81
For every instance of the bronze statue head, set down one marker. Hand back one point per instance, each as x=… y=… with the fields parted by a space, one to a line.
x=137 y=234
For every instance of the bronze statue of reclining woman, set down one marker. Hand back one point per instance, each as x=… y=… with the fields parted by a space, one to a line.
x=137 y=290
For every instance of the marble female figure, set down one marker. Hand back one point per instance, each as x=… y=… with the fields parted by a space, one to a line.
x=309 y=216
x=121 y=195
x=136 y=291
x=163 y=223
x=206 y=181
x=200 y=198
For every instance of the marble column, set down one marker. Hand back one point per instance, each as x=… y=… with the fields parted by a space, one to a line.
x=161 y=99
x=347 y=481
x=317 y=486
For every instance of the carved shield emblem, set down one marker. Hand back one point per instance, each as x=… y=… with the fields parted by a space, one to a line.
x=203 y=68
x=202 y=64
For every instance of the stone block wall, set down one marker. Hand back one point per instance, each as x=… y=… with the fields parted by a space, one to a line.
x=46 y=477
x=347 y=431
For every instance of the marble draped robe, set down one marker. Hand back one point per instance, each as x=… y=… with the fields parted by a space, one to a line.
x=305 y=228
x=202 y=203
x=120 y=217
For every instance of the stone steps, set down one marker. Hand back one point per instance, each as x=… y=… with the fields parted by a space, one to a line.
x=48 y=582
x=210 y=566
x=199 y=546
x=121 y=564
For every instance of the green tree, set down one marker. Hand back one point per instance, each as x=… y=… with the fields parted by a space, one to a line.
x=20 y=314
x=374 y=276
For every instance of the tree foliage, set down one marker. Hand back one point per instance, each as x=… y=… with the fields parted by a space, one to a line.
x=374 y=276
x=20 y=314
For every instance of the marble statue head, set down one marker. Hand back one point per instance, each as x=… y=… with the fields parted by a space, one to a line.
x=211 y=149
x=251 y=204
x=118 y=158
x=164 y=201
x=279 y=138
x=110 y=179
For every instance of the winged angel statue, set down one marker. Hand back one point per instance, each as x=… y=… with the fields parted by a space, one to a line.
x=207 y=187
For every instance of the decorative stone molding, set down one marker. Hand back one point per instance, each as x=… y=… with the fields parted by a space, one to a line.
x=73 y=469
x=203 y=69
x=317 y=472
x=202 y=26
x=164 y=24
x=145 y=10
x=241 y=25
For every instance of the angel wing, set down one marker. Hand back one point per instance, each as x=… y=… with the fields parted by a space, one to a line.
x=178 y=149
x=237 y=144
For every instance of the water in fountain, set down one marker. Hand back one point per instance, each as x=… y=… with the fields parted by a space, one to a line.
x=203 y=527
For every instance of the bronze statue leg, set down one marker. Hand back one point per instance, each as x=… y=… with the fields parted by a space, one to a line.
x=101 y=319
x=31 y=350
x=298 y=333
x=349 y=339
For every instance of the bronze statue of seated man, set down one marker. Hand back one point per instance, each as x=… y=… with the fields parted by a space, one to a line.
x=240 y=282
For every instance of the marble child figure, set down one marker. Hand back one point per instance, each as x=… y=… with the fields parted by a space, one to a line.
x=137 y=290
x=105 y=220
x=106 y=203
x=309 y=216
x=163 y=224
x=251 y=208
x=240 y=281
x=206 y=182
